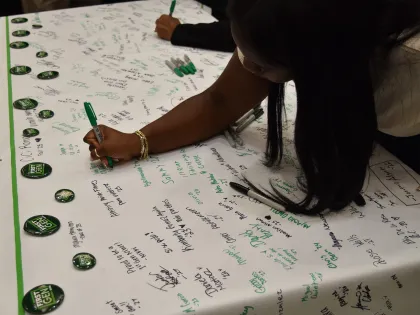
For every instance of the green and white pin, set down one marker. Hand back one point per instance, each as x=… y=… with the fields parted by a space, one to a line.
x=43 y=299
x=30 y=132
x=21 y=33
x=36 y=170
x=48 y=75
x=42 y=225
x=46 y=114
x=36 y=26
x=20 y=70
x=64 y=195
x=41 y=54
x=84 y=261
x=25 y=103
x=19 y=45
x=19 y=20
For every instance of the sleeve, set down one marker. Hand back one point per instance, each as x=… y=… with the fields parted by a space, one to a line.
x=212 y=36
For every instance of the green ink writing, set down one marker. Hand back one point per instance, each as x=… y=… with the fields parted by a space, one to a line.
x=258 y=281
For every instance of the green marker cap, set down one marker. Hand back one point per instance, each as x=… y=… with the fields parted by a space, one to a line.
x=172 y=9
x=184 y=70
x=91 y=114
x=191 y=65
x=84 y=261
x=43 y=299
x=42 y=225
x=178 y=72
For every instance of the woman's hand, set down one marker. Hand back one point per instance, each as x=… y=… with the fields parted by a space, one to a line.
x=165 y=26
x=117 y=145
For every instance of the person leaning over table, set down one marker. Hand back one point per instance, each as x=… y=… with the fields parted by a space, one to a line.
x=356 y=68
x=212 y=36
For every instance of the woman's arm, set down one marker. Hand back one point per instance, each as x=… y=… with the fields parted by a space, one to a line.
x=234 y=93
x=202 y=116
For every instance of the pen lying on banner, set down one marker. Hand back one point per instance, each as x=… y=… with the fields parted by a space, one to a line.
x=232 y=133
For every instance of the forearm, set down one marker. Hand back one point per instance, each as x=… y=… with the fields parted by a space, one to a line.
x=234 y=93
x=194 y=120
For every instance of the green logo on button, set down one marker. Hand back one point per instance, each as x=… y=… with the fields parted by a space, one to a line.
x=43 y=299
x=36 y=170
x=42 y=225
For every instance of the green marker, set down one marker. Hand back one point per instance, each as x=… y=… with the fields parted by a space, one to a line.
x=174 y=68
x=184 y=66
x=190 y=63
x=92 y=119
x=180 y=66
x=172 y=9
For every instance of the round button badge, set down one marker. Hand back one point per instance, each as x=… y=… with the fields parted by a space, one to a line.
x=41 y=54
x=46 y=114
x=25 y=103
x=19 y=20
x=43 y=299
x=30 y=132
x=48 y=75
x=21 y=33
x=64 y=195
x=36 y=170
x=20 y=70
x=42 y=225
x=84 y=261
x=19 y=45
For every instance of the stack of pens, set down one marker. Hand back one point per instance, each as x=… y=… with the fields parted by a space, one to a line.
x=181 y=67
x=232 y=133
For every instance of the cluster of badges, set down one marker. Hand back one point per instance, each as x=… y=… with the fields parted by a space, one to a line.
x=47 y=297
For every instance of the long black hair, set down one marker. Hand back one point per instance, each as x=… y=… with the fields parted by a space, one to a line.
x=328 y=46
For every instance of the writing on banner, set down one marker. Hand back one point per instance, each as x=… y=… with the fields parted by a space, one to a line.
x=398 y=181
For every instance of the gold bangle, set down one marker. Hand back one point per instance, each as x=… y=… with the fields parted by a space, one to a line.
x=145 y=150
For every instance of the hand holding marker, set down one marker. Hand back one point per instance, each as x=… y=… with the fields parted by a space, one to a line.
x=92 y=119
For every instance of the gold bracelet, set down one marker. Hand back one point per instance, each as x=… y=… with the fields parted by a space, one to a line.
x=145 y=150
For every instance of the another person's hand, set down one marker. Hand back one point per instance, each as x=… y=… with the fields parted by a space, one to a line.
x=165 y=26
x=117 y=145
